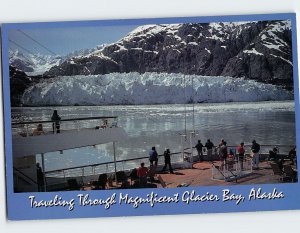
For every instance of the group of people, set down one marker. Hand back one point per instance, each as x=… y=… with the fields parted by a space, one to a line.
x=143 y=172
x=224 y=154
x=55 y=125
x=280 y=159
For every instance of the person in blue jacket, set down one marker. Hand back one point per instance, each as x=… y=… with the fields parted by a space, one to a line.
x=153 y=156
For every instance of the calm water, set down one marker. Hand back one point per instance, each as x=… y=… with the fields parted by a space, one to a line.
x=162 y=125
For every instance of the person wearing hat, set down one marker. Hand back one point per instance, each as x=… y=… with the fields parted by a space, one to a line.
x=255 y=148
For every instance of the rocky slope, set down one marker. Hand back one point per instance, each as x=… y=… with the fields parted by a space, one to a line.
x=254 y=50
x=19 y=81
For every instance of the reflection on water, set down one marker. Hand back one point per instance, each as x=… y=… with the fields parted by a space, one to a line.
x=161 y=125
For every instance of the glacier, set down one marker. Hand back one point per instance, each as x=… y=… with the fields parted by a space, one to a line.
x=148 y=88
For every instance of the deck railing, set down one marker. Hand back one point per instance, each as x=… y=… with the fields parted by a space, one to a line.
x=26 y=128
x=87 y=172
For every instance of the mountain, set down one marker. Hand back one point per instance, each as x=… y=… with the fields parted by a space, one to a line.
x=255 y=50
x=37 y=64
x=33 y=64
x=19 y=81
x=148 y=88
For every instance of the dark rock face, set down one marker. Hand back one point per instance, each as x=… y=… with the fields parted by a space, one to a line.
x=255 y=50
x=22 y=65
x=18 y=83
x=84 y=66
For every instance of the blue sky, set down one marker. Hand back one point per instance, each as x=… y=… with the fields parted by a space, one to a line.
x=65 y=40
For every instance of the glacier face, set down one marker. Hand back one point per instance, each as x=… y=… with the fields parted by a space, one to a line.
x=148 y=88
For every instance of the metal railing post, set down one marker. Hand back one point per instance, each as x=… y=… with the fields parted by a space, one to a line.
x=64 y=176
x=26 y=126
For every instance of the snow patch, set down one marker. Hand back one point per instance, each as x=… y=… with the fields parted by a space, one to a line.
x=282 y=59
x=208 y=50
x=253 y=51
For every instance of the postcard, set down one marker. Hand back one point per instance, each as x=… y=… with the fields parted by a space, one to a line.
x=151 y=116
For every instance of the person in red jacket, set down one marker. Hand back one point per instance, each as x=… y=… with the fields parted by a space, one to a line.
x=142 y=173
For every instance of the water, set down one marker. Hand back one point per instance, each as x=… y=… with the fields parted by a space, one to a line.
x=163 y=125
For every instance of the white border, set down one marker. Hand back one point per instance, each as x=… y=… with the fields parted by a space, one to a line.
x=59 y=10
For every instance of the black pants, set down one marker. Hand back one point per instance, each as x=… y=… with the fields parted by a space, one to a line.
x=170 y=167
x=200 y=154
x=155 y=162
x=56 y=127
x=241 y=160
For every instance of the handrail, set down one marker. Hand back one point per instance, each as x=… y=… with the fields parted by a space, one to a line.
x=249 y=145
x=218 y=169
x=33 y=181
x=235 y=176
x=126 y=160
x=105 y=163
x=72 y=119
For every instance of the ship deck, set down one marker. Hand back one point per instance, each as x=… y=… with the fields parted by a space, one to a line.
x=201 y=175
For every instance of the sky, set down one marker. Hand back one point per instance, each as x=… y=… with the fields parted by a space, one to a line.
x=62 y=41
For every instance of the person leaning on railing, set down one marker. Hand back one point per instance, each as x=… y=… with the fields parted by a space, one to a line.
x=199 y=148
x=209 y=146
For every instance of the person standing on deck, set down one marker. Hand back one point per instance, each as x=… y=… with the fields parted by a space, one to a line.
x=241 y=153
x=218 y=149
x=167 y=156
x=222 y=142
x=223 y=152
x=209 y=146
x=255 y=148
x=56 y=124
x=153 y=156
x=199 y=147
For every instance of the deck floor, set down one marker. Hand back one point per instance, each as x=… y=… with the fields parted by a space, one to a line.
x=201 y=175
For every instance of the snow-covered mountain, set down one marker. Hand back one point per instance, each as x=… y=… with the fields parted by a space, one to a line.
x=37 y=64
x=148 y=88
x=33 y=64
x=254 y=50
